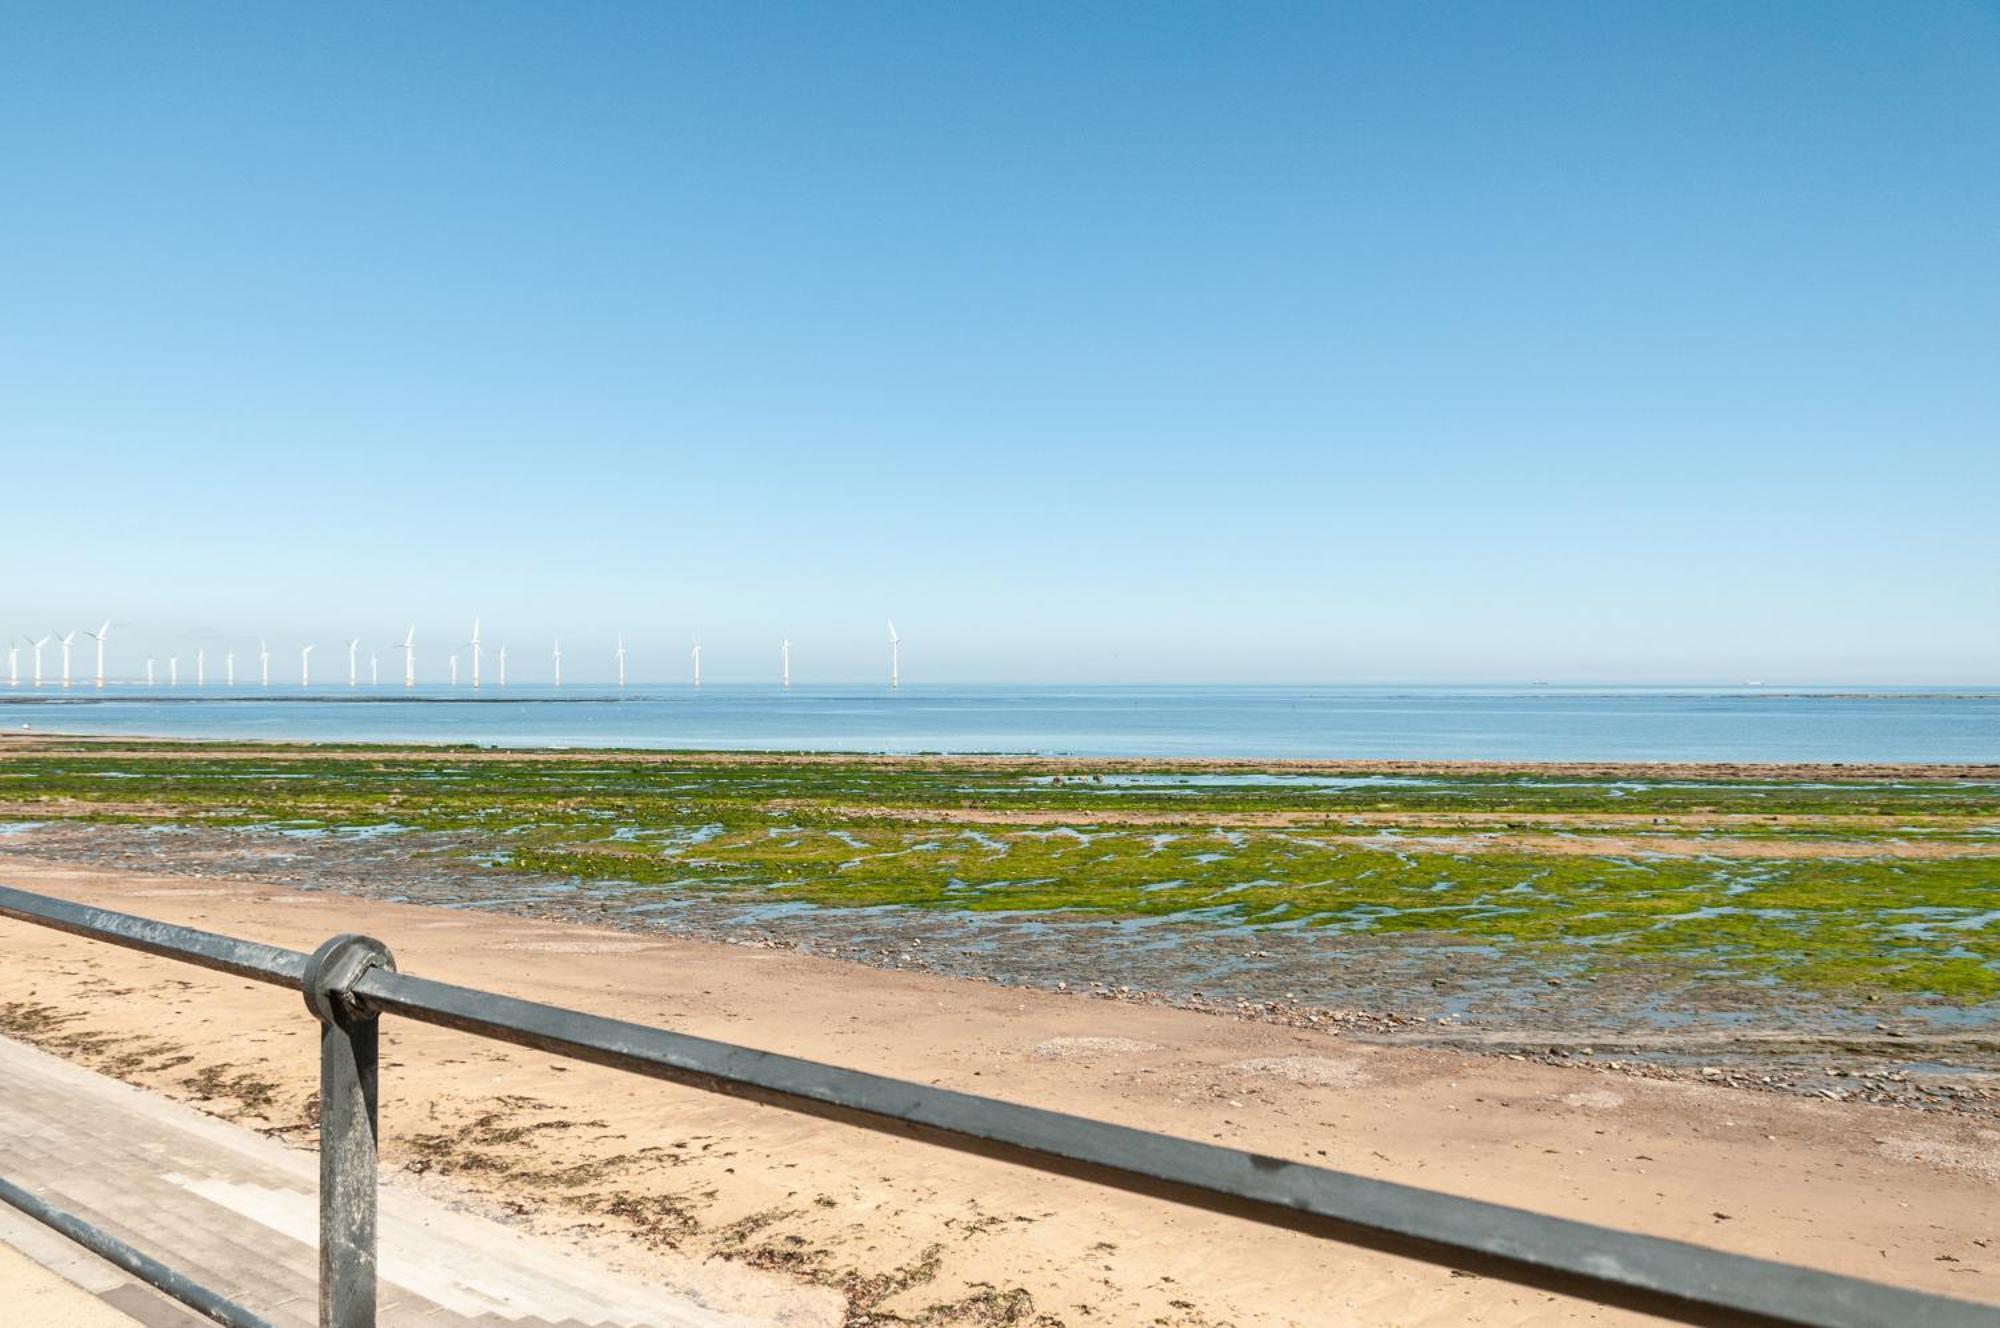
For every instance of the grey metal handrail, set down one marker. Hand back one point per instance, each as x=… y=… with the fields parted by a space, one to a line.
x=351 y=981
x=210 y=1304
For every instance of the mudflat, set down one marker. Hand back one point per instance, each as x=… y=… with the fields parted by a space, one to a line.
x=1829 y=931
x=908 y=1233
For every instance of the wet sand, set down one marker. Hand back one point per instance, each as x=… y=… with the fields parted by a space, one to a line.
x=1403 y=989
x=1395 y=989
x=905 y=1230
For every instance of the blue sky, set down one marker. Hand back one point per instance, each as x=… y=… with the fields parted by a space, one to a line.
x=1152 y=342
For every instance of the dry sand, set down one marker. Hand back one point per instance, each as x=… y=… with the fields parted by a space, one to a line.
x=908 y=1230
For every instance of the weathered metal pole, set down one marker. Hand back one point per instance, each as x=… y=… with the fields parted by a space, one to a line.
x=348 y=1039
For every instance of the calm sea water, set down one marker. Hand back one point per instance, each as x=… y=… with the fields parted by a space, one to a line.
x=1496 y=723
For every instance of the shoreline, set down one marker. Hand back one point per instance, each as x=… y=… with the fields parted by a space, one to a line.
x=901 y=1229
x=1755 y=922
x=141 y=745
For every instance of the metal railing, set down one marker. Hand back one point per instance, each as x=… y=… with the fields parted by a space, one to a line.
x=351 y=981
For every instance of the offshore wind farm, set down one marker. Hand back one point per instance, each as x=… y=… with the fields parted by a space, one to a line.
x=444 y=695
x=635 y=702
x=101 y=680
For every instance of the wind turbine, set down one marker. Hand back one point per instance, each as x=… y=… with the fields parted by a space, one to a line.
x=785 y=660
x=454 y=670
x=558 y=661
x=201 y=667
x=98 y=636
x=695 y=655
x=229 y=669
x=38 y=655
x=621 y=660
x=173 y=670
x=895 y=656
x=410 y=657
x=149 y=673
x=306 y=664
x=13 y=666
x=66 y=641
x=503 y=666
x=474 y=643
x=374 y=669
x=264 y=662
x=353 y=645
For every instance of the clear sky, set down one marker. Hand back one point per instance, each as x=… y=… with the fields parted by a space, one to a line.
x=1236 y=342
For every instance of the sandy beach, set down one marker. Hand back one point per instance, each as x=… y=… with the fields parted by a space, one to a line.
x=904 y=1233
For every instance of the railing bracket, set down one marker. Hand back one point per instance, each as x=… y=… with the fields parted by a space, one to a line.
x=333 y=970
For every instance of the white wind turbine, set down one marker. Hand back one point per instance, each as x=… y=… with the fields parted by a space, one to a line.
x=895 y=656
x=503 y=666
x=13 y=666
x=149 y=671
x=98 y=636
x=454 y=669
x=695 y=655
x=374 y=669
x=306 y=664
x=785 y=661
x=264 y=663
x=474 y=643
x=66 y=641
x=558 y=661
x=410 y=657
x=353 y=648
x=621 y=660
x=173 y=670
x=37 y=647
x=229 y=669
x=201 y=667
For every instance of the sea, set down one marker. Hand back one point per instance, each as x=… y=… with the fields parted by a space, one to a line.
x=1528 y=723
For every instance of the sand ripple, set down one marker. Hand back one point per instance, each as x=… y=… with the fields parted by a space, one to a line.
x=1082 y=1048
x=1314 y=1071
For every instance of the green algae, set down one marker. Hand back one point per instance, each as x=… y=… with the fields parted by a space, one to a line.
x=872 y=834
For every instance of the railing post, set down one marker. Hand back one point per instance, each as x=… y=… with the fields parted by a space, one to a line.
x=348 y=1038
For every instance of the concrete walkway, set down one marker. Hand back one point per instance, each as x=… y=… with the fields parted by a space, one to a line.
x=236 y=1211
